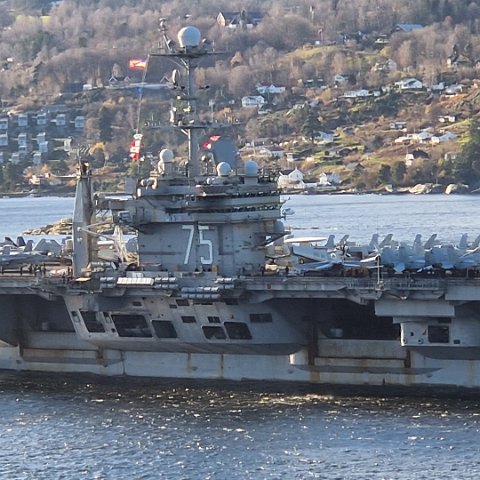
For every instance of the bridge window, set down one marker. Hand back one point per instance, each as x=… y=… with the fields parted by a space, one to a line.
x=214 y=333
x=131 y=325
x=438 y=334
x=238 y=331
x=213 y=319
x=182 y=302
x=164 y=329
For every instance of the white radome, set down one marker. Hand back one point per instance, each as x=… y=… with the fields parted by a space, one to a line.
x=251 y=168
x=166 y=155
x=223 y=169
x=189 y=37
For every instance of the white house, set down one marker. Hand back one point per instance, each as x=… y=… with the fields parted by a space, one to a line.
x=328 y=178
x=291 y=180
x=409 y=84
x=362 y=93
x=446 y=137
x=4 y=140
x=422 y=136
x=254 y=101
x=454 y=89
x=4 y=123
x=271 y=151
x=386 y=67
x=324 y=138
x=340 y=79
x=269 y=89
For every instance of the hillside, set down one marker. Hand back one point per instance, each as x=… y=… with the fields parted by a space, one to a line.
x=342 y=105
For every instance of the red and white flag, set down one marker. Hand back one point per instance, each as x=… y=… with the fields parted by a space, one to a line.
x=136 y=147
x=137 y=64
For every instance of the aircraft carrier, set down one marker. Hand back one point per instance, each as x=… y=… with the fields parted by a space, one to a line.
x=213 y=286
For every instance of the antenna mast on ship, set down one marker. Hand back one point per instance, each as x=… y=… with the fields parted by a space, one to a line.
x=187 y=55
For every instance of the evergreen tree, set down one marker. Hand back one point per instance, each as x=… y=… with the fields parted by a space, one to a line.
x=311 y=125
x=467 y=167
x=385 y=173
x=105 y=124
x=399 y=171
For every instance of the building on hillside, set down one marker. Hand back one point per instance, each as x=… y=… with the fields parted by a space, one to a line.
x=252 y=101
x=449 y=118
x=241 y=20
x=328 y=178
x=406 y=27
x=271 y=151
x=269 y=89
x=454 y=89
x=445 y=137
x=386 y=67
x=409 y=84
x=291 y=180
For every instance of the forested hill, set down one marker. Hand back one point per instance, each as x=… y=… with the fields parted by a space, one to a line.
x=46 y=46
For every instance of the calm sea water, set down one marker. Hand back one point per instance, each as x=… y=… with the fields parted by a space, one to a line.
x=80 y=427
x=360 y=216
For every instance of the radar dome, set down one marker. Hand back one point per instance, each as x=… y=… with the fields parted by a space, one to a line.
x=223 y=169
x=251 y=168
x=189 y=37
x=166 y=155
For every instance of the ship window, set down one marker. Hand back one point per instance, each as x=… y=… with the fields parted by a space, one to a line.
x=131 y=325
x=437 y=334
x=238 y=331
x=136 y=303
x=91 y=322
x=261 y=317
x=188 y=319
x=182 y=302
x=164 y=329
x=231 y=301
x=213 y=319
x=214 y=333
x=172 y=305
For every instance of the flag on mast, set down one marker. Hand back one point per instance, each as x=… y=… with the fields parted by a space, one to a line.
x=136 y=147
x=137 y=64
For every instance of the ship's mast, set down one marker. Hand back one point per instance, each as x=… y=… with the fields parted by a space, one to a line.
x=187 y=55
